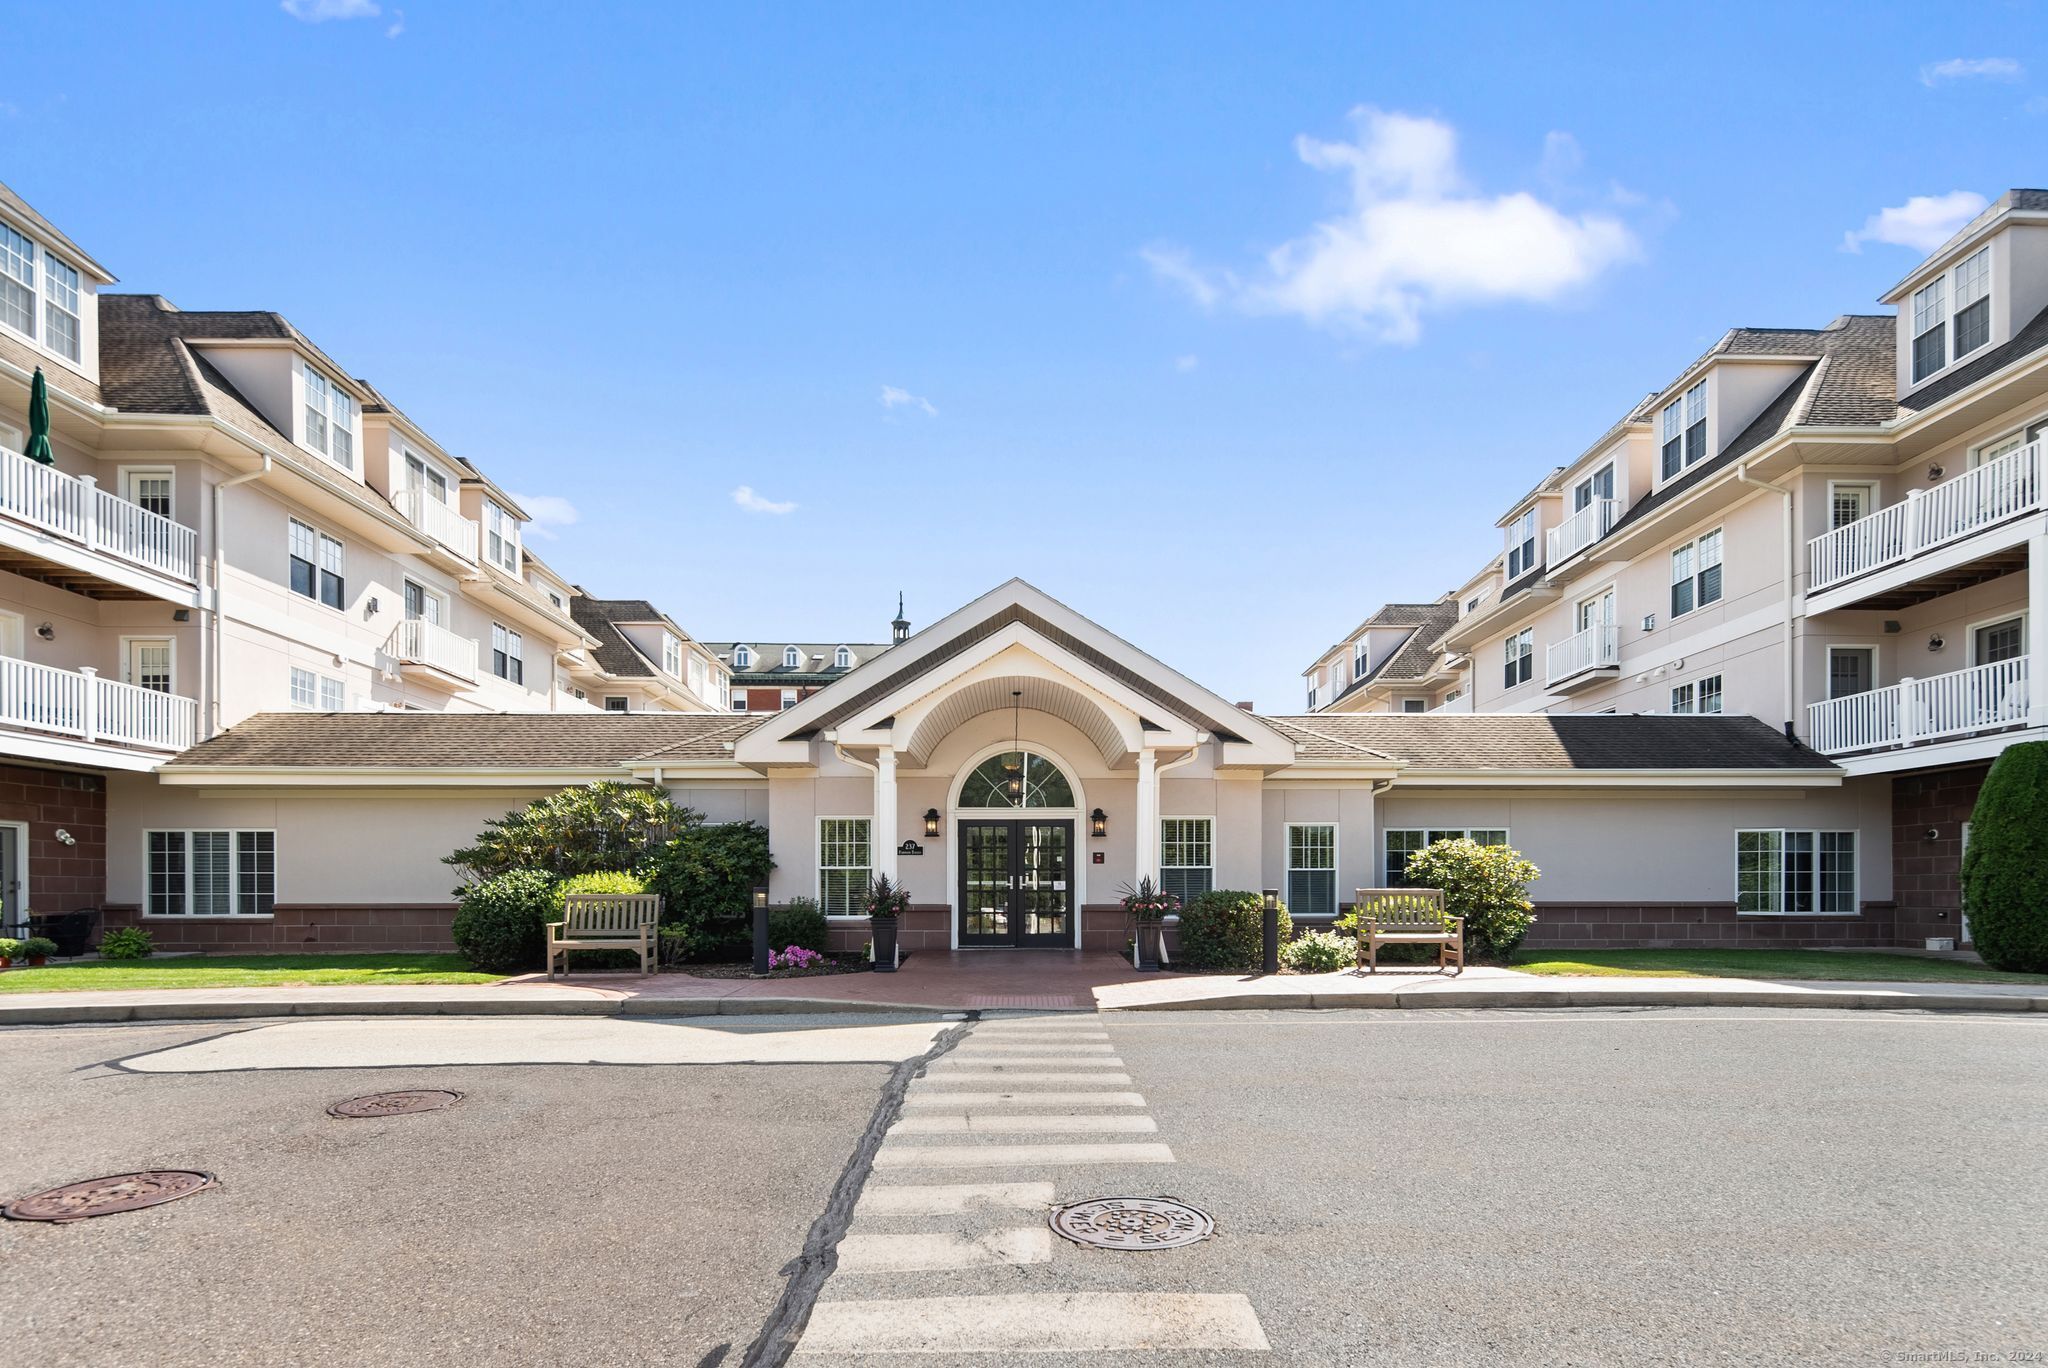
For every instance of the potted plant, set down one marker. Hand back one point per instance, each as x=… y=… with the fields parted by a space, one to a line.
x=1148 y=906
x=9 y=949
x=38 y=949
x=886 y=902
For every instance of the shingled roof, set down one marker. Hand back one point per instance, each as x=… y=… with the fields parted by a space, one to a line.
x=815 y=666
x=424 y=740
x=615 y=654
x=1417 y=655
x=1540 y=741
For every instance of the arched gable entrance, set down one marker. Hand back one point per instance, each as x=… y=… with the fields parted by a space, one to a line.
x=1016 y=862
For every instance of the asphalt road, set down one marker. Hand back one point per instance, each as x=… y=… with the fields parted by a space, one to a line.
x=1388 y=1187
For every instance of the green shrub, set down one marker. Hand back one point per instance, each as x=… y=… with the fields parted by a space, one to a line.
x=2005 y=873
x=38 y=947
x=599 y=881
x=706 y=876
x=10 y=948
x=500 y=925
x=1319 y=952
x=1486 y=885
x=584 y=830
x=1224 y=930
x=127 y=943
x=799 y=922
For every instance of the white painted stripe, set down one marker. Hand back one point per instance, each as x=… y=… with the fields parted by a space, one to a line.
x=956 y=1061
x=1050 y=1041
x=927 y=1099
x=1035 y=1323
x=893 y=1154
x=1027 y=1123
x=985 y=1076
x=864 y=1253
x=1077 y=1047
x=951 y=1199
x=1063 y=1021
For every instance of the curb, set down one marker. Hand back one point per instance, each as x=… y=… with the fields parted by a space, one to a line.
x=1508 y=997
x=57 y=1014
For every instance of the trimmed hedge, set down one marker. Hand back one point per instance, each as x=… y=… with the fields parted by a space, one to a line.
x=1224 y=930
x=500 y=925
x=801 y=922
x=2005 y=873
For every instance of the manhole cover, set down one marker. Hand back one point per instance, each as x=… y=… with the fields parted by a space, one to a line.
x=105 y=1196
x=396 y=1103
x=1133 y=1223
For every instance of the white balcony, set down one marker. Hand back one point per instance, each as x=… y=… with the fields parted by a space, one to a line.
x=81 y=705
x=438 y=520
x=1915 y=711
x=1461 y=704
x=431 y=653
x=1584 y=658
x=1993 y=493
x=1581 y=530
x=75 y=509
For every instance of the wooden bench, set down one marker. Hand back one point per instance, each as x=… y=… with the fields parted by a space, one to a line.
x=1407 y=916
x=605 y=921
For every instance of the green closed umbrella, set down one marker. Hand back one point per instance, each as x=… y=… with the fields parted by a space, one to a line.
x=38 y=448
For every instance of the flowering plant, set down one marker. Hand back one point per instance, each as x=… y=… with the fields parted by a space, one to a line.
x=1149 y=903
x=887 y=899
x=795 y=957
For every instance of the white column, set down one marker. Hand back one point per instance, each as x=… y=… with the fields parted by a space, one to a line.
x=885 y=812
x=1148 y=816
x=2037 y=629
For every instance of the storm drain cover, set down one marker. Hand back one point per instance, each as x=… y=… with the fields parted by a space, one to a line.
x=105 y=1196
x=1133 y=1223
x=396 y=1103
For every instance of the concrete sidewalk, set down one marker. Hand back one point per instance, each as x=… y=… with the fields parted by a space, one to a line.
x=951 y=983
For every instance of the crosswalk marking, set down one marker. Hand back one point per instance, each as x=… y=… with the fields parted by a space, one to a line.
x=952 y=1199
x=860 y=1252
x=951 y=1064
x=894 y=1154
x=1025 y=1076
x=1025 y=1047
x=929 y=1099
x=1016 y=1124
x=1049 y=1322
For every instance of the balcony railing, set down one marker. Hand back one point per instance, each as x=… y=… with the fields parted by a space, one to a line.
x=1581 y=529
x=1461 y=704
x=77 y=509
x=1983 y=698
x=79 y=703
x=1596 y=647
x=419 y=642
x=438 y=521
x=1949 y=511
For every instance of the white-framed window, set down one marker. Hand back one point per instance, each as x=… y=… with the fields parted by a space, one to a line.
x=1315 y=688
x=422 y=604
x=508 y=650
x=1930 y=327
x=1598 y=485
x=739 y=702
x=17 y=282
x=1952 y=319
x=842 y=659
x=318 y=565
x=1311 y=869
x=1697 y=696
x=311 y=689
x=1851 y=670
x=501 y=537
x=1782 y=873
x=789 y=698
x=1850 y=501
x=330 y=418
x=791 y=657
x=1402 y=842
x=1972 y=322
x=1684 y=430
x=423 y=475
x=671 y=656
x=62 y=334
x=1696 y=573
x=149 y=489
x=617 y=703
x=1187 y=856
x=742 y=658
x=1361 y=661
x=210 y=873
x=1992 y=642
x=148 y=663
x=1520 y=658
x=845 y=864
x=1522 y=544
x=1414 y=705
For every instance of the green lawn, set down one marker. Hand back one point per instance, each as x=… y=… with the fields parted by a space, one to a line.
x=1765 y=964
x=244 y=971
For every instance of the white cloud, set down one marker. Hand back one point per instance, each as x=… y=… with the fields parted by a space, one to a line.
x=320 y=11
x=546 y=512
x=1562 y=158
x=1972 y=69
x=397 y=24
x=894 y=398
x=1416 y=238
x=1186 y=363
x=1923 y=222
x=746 y=498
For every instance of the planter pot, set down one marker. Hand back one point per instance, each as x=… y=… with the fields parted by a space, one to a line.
x=883 y=930
x=38 y=961
x=1148 y=947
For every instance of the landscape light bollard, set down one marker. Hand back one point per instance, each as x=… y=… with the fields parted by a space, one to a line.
x=760 y=930
x=1272 y=929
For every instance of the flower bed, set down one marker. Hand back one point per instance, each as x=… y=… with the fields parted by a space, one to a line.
x=794 y=962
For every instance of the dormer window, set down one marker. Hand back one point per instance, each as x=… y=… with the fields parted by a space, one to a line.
x=1315 y=684
x=330 y=419
x=501 y=537
x=842 y=659
x=671 y=656
x=60 y=307
x=1930 y=328
x=1359 y=658
x=1949 y=325
x=1522 y=545
x=1684 y=431
x=61 y=330
x=742 y=658
x=791 y=657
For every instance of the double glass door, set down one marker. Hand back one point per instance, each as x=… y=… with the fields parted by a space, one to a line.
x=1017 y=883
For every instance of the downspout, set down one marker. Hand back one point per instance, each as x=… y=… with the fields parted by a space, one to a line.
x=1791 y=598
x=210 y=665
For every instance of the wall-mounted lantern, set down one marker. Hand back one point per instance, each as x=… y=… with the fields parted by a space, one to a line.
x=931 y=821
x=1098 y=823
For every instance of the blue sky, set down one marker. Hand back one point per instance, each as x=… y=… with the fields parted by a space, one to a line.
x=1223 y=324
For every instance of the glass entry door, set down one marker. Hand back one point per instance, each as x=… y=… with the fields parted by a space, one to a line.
x=1017 y=883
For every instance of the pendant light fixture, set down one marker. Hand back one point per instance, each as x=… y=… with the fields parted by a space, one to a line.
x=1014 y=784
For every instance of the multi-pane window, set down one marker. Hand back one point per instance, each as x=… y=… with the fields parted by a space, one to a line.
x=507 y=654
x=1710 y=694
x=1696 y=573
x=1311 y=870
x=1402 y=842
x=617 y=703
x=742 y=658
x=150 y=490
x=1700 y=696
x=149 y=665
x=1186 y=856
x=1848 y=503
x=211 y=873
x=1973 y=303
x=312 y=690
x=1315 y=689
x=1598 y=485
x=842 y=659
x=1414 y=705
x=1851 y=670
x=330 y=419
x=1520 y=657
x=17 y=281
x=1781 y=872
x=1930 y=328
x=671 y=656
x=789 y=698
x=316 y=565
x=60 y=308
x=845 y=862
x=1684 y=431
x=791 y=657
x=1522 y=544
x=501 y=537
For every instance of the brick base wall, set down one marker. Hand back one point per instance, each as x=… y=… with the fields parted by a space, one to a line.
x=1927 y=873
x=61 y=878
x=1698 y=926
x=298 y=930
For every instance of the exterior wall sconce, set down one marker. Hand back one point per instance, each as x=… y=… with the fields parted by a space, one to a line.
x=46 y=632
x=1935 y=643
x=1098 y=823
x=1934 y=472
x=931 y=821
x=1649 y=622
x=371 y=607
x=1934 y=833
